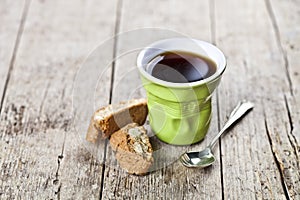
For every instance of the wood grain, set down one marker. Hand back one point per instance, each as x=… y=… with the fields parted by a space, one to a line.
x=50 y=91
x=43 y=157
x=11 y=14
x=253 y=154
x=285 y=17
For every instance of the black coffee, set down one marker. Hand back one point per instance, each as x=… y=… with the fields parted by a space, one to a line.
x=182 y=67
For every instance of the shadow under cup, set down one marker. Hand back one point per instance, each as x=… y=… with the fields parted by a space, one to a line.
x=180 y=113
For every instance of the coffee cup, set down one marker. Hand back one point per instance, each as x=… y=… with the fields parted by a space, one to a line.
x=178 y=91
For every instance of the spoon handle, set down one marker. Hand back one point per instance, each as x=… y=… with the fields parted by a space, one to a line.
x=236 y=114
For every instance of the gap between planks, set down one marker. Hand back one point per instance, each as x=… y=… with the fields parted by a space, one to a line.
x=213 y=30
x=115 y=48
x=279 y=44
x=290 y=134
x=15 y=50
x=277 y=161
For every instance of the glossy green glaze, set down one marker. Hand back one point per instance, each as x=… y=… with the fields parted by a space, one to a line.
x=180 y=113
x=179 y=116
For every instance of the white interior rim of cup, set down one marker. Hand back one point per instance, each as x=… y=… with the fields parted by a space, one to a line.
x=220 y=62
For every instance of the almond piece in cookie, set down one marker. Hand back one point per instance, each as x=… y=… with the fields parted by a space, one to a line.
x=133 y=149
x=111 y=118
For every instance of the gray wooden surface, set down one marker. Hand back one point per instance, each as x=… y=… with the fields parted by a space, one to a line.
x=43 y=45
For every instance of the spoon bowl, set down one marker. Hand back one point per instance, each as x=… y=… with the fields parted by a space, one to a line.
x=200 y=159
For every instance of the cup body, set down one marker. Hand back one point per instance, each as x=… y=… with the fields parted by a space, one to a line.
x=180 y=113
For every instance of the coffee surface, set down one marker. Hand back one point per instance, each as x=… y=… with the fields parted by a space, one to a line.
x=182 y=67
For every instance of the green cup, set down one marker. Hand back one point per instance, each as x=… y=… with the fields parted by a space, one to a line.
x=180 y=113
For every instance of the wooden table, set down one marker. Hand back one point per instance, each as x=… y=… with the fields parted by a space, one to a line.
x=42 y=46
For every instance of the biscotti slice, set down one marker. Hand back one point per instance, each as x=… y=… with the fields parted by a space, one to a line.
x=111 y=118
x=133 y=149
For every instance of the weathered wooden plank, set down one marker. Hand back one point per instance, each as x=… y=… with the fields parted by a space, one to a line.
x=285 y=19
x=254 y=153
x=285 y=16
x=11 y=16
x=11 y=13
x=42 y=155
x=173 y=181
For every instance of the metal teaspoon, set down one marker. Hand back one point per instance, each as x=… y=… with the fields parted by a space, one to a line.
x=205 y=157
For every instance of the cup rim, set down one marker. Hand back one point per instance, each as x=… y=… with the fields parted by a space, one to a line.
x=220 y=67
